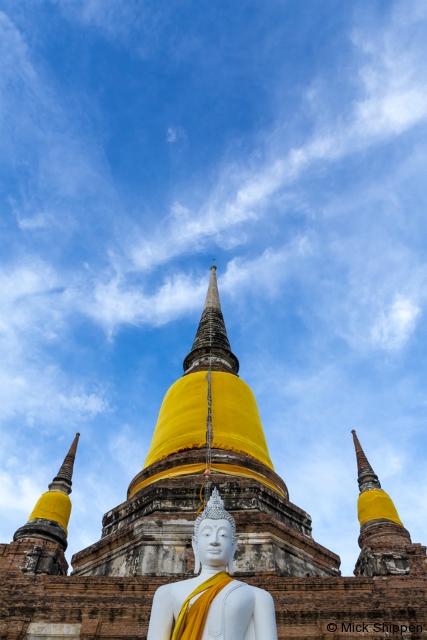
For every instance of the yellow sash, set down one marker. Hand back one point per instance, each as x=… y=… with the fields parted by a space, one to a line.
x=190 y=623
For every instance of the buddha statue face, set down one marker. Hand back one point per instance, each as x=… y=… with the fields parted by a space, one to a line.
x=214 y=540
x=215 y=545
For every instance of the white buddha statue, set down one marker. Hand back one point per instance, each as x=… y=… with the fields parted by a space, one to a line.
x=213 y=605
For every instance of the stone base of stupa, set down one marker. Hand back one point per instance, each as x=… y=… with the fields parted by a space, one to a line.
x=150 y=534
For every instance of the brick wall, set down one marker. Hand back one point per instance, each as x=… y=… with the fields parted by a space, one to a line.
x=120 y=607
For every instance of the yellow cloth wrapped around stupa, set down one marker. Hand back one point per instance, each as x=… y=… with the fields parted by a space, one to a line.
x=376 y=504
x=182 y=419
x=53 y=505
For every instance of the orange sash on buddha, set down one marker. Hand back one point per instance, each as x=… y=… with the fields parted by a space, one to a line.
x=191 y=621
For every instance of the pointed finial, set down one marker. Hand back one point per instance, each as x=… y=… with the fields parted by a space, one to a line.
x=211 y=347
x=63 y=480
x=212 y=296
x=367 y=478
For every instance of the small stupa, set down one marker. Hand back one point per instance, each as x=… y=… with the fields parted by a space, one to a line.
x=383 y=538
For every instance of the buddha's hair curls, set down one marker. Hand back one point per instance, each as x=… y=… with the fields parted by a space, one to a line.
x=215 y=511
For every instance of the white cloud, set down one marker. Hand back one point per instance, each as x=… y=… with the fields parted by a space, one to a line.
x=141 y=27
x=41 y=131
x=266 y=272
x=116 y=18
x=394 y=83
x=129 y=446
x=392 y=98
x=116 y=302
x=175 y=134
x=19 y=493
x=44 y=394
x=39 y=302
x=38 y=221
x=14 y=54
x=32 y=317
x=27 y=284
x=395 y=324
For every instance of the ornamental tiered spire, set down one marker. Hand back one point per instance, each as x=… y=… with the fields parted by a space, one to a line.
x=63 y=480
x=366 y=477
x=211 y=347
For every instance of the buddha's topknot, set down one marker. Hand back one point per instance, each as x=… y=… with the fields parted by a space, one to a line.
x=215 y=511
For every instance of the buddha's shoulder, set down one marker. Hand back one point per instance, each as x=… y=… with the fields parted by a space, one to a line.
x=185 y=584
x=261 y=595
x=162 y=591
x=176 y=587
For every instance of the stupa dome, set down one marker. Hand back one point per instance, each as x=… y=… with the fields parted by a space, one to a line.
x=376 y=504
x=182 y=418
x=53 y=506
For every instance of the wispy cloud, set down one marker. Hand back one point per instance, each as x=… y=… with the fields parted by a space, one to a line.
x=392 y=99
x=176 y=134
x=392 y=90
x=19 y=493
x=395 y=325
x=32 y=318
x=50 y=155
x=117 y=302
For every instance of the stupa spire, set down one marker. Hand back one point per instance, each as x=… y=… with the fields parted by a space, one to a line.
x=366 y=477
x=212 y=296
x=63 y=480
x=211 y=347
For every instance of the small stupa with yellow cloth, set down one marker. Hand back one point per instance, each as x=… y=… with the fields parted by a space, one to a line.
x=383 y=538
x=208 y=433
x=51 y=514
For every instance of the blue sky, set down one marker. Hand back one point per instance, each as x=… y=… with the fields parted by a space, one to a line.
x=142 y=139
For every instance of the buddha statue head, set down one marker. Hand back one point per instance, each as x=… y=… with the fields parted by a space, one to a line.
x=214 y=540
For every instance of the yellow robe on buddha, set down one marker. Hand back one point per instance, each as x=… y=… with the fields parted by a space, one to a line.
x=191 y=621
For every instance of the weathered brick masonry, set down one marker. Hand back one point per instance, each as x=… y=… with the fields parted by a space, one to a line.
x=120 y=607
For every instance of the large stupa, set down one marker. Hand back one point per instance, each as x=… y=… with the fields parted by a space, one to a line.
x=209 y=431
